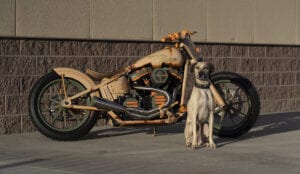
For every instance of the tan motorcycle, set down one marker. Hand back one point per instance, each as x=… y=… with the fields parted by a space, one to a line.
x=65 y=103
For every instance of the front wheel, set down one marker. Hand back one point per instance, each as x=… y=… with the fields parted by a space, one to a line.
x=242 y=105
x=50 y=117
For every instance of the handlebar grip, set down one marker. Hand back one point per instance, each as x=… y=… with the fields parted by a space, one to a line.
x=167 y=38
x=177 y=35
x=171 y=37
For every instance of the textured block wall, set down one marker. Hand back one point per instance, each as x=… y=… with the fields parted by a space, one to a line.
x=275 y=70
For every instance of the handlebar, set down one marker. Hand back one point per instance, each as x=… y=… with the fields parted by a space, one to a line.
x=176 y=36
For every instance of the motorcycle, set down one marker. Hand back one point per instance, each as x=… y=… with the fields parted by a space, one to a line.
x=65 y=104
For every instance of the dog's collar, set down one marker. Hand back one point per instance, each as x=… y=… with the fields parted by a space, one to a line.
x=202 y=86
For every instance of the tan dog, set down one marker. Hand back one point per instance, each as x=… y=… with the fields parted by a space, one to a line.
x=200 y=110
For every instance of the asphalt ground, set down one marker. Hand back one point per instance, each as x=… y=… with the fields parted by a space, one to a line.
x=272 y=146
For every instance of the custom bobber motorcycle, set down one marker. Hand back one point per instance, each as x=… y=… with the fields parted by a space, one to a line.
x=65 y=103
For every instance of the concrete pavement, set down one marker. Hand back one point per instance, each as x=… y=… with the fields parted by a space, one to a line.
x=272 y=146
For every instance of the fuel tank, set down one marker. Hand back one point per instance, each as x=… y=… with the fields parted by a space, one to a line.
x=167 y=56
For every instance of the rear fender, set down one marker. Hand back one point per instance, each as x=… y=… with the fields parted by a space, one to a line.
x=85 y=80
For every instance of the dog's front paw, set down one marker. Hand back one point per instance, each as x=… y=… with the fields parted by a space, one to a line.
x=195 y=146
x=211 y=145
x=188 y=144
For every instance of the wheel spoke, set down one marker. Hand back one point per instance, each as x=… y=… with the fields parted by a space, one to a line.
x=238 y=111
x=234 y=94
x=65 y=118
x=52 y=108
x=75 y=116
x=55 y=101
x=242 y=114
x=226 y=93
x=57 y=114
x=59 y=92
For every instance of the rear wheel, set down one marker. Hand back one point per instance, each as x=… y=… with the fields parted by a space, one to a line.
x=48 y=114
x=242 y=105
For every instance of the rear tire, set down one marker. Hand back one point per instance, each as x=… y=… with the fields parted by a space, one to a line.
x=243 y=104
x=50 y=118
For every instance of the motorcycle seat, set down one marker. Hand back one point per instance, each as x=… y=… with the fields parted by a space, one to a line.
x=97 y=75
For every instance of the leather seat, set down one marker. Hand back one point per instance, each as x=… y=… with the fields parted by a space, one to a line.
x=96 y=75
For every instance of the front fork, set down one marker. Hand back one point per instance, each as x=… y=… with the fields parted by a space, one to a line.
x=217 y=97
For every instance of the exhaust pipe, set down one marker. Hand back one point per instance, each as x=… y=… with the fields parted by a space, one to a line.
x=108 y=105
x=133 y=112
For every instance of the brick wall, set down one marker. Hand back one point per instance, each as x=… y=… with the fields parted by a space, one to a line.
x=275 y=70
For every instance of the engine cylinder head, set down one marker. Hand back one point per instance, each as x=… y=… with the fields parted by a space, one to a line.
x=159 y=76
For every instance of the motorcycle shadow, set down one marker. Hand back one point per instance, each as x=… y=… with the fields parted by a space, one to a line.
x=147 y=129
x=268 y=124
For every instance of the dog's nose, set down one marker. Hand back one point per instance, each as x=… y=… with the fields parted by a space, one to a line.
x=202 y=75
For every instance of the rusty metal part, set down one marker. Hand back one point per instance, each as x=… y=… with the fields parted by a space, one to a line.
x=182 y=109
x=217 y=97
x=175 y=73
x=159 y=99
x=80 y=107
x=168 y=56
x=138 y=122
x=131 y=103
x=171 y=118
x=136 y=75
x=147 y=82
x=177 y=35
x=184 y=83
x=64 y=85
x=193 y=59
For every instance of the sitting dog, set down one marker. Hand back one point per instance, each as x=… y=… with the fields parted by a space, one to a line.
x=200 y=110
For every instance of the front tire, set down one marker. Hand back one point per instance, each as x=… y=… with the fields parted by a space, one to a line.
x=242 y=105
x=53 y=120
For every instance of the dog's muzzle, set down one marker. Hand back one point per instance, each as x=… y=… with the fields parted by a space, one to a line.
x=203 y=79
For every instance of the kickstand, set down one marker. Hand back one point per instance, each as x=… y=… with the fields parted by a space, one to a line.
x=154 y=131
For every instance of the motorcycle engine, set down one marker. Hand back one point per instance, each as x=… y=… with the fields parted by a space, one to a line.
x=165 y=78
